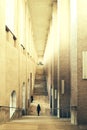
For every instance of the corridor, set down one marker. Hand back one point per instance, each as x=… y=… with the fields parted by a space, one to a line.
x=43 y=56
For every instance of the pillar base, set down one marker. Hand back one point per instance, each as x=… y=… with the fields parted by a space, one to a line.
x=74 y=115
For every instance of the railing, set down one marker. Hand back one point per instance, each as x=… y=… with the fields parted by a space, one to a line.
x=8 y=30
x=5 y=113
x=61 y=112
x=23 y=111
x=23 y=47
x=9 y=107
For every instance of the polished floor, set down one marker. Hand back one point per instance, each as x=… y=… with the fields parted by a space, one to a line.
x=39 y=123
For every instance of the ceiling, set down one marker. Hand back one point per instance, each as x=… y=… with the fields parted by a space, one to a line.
x=41 y=15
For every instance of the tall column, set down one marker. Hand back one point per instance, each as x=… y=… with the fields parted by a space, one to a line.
x=73 y=60
x=55 y=56
x=63 y=58
x=58 y=38
x=54 y=59
x=52 y=74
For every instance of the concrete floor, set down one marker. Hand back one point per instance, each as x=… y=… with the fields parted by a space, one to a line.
x=39 y=123
x=43 y=122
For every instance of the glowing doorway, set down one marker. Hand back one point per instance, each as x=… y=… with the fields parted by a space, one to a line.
x=12 y=103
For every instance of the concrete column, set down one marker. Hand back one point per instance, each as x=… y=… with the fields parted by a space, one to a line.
x=52 y=60
x=55 y=56
x=58 y=39
x=73 y=59
x=63 y=57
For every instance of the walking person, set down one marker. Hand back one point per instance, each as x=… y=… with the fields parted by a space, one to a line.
x=38 y=109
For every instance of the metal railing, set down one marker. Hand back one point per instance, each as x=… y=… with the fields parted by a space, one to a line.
x=10 y=107
x=8 y=30
x=5 y=113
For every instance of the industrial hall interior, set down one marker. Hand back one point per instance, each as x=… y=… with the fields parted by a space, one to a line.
x=43 y=64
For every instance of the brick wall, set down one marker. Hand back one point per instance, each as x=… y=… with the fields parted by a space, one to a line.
x=82 y=46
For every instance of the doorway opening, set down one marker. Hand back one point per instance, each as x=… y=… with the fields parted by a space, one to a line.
x=23 y=99
x=12 y=103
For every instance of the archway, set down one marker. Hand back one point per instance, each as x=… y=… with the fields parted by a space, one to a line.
x=12 y=103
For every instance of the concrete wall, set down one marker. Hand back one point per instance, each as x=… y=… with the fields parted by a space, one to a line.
x=64 y=56
x=2 y=53
x=51 y=60
x=78 y=44
x=16 y=64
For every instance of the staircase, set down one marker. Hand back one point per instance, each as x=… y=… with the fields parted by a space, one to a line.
x=40 y=82
x=40 y=94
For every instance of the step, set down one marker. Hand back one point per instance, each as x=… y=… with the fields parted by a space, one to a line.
x=39 y=76
x=40 y=81
x=40 y=85
x=41 y=94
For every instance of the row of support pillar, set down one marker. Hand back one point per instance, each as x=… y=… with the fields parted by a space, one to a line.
x=67 y=60
x=68 y=84
x=59 y=63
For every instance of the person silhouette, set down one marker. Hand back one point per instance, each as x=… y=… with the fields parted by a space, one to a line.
x=38 y=109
